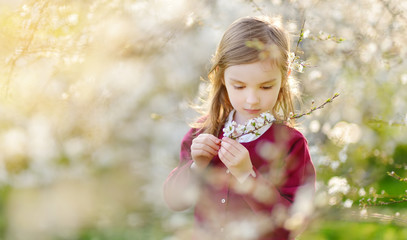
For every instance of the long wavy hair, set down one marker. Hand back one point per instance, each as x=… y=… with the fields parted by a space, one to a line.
x=247 y=41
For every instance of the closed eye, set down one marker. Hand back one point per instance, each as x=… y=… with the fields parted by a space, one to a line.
x=238 y=87
x=267 y=87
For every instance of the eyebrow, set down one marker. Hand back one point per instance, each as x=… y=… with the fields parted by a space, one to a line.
x=265 y=82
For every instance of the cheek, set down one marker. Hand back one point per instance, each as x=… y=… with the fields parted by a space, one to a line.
x=233 y=97
x=273 y=97
x=230 y=94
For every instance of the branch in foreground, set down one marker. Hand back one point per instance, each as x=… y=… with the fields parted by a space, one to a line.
x=235 y=131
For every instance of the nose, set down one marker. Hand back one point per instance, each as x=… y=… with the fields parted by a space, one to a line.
x=252 y=97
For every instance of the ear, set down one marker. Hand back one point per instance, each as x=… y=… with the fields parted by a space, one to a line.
x=288 y=72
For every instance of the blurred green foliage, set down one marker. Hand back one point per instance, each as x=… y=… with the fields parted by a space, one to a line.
x=336 y=230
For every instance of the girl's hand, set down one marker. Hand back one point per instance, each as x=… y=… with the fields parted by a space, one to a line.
x=236 y=158
x=204 y=148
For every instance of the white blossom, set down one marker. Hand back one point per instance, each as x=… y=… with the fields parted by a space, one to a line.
x=251 y=125
x=228 y=131
x=240 y=129
x=259 y=121
x=234 y=130
x=362 y=192
x=267 y=116
x=306 y=34
x=338 y=185
x=348 y=203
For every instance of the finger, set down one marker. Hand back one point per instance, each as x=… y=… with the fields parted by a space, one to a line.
x=205 y=144
x=229 y=140
x=230 y=149
x=226 y=157
x=230 y=145
x=208 y=139
x=214 y=139
x=204 y=147
x=201 y=153
x=238 y=146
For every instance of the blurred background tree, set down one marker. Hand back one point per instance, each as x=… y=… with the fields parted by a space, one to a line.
x=94 y=98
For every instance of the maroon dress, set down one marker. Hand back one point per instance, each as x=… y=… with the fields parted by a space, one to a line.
x=254 y=209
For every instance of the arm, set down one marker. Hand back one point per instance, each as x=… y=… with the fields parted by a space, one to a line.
x=181 y=180
x=181 y=188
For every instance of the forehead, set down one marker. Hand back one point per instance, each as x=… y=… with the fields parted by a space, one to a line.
x=253 y=72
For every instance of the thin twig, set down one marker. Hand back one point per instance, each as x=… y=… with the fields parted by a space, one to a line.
x=258 y=8
x=256 y=128
x=384 y=202
x=301 y=37
x=396 y=176
x=295 y=116
x=25 y=48
x=391 y=10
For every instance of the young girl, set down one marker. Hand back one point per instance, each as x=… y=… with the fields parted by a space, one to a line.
x=242 y=186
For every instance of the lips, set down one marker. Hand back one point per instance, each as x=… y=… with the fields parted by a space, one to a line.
x=252 y=111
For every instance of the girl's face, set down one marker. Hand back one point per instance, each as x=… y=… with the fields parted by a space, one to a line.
x=252 y=88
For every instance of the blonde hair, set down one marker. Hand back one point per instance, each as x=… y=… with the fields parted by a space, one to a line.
x=234 y=49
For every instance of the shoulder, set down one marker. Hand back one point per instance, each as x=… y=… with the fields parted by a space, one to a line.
x=198 y=124
x=193 y=132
